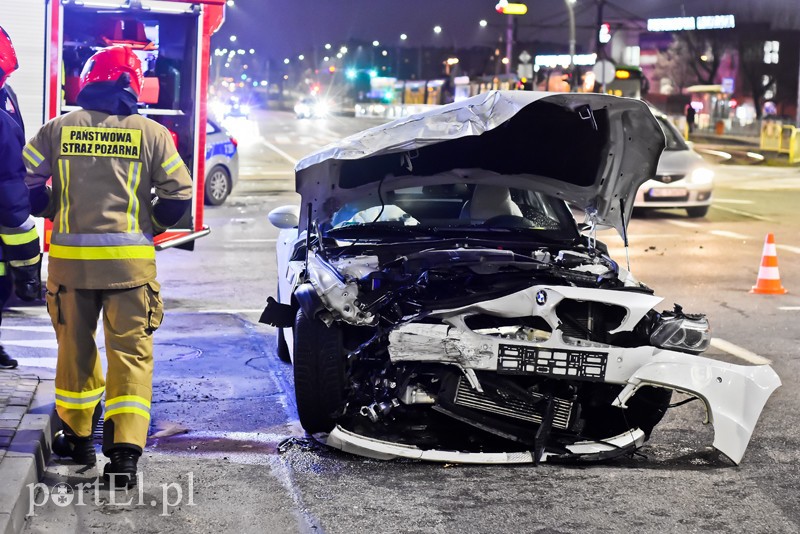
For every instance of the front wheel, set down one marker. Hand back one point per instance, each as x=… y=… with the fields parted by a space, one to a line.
x=697 y=211
x=318 y=373
x=218 y=186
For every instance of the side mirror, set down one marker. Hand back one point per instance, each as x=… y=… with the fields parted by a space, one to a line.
x=285 y=217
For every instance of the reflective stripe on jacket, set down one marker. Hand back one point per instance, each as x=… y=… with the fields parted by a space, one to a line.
x=104 y=168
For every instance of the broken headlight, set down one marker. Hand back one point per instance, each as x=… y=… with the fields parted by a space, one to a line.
x=683 y=332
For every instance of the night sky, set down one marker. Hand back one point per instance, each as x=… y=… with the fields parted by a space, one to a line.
x=286 y=28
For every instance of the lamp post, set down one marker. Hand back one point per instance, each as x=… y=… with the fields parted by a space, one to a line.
x=571 y=13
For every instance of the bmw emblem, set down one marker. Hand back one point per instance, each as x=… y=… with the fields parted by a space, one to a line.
x=541 y=297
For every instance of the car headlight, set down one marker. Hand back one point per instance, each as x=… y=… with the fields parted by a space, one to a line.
x=678 y=331
x=701 y=176
x=321 y=109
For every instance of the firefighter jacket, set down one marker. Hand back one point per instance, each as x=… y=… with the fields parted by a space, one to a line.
x=14 y=202
x=19 y=242
x=104 y=168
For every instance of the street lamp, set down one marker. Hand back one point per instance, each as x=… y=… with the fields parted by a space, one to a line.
x=571 y=12
x=403 y=37
x=483 y=23
x=437 y=29
x=233 y=38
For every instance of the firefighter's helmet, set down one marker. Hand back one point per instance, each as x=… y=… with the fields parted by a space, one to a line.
x=8 y=57
x=109 y=64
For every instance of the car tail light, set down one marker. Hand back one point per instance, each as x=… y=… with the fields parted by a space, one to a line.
x=234 y=142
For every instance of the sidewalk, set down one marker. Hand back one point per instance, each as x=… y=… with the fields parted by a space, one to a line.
x=26 y=415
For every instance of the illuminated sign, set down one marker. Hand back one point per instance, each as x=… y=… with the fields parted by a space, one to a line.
x=562 y=60
x=676 y=24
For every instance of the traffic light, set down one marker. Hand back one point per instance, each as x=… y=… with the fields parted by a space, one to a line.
x=604 y=35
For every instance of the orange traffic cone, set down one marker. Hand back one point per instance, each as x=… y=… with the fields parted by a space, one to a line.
x=769 y=279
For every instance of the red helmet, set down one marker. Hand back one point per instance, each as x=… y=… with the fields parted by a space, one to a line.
x=8 y=58
x=109 y=64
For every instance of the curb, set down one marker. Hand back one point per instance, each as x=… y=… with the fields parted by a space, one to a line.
x=24 y=462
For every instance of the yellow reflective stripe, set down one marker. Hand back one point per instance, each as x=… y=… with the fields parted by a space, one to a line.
x=127 y=398
x=25 y=263
x=32 y=155
x=64 y=219
x=80 y=394
x=171 y=160
x=77 y=406
x=128 y=409
x=133 y=252
x=134 y=173
x=172 y=164
x=2 y=269
x=21 y=239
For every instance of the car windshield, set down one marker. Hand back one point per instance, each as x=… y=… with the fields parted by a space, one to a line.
x=674 y=139
x=453 y=208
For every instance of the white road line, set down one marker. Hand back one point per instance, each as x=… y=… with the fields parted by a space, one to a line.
x=258 y=310
x=718 y=153
x=278 y=151
x=732 y=201
x=739 y=352
x=789 y=308
x=33 y=343
x=50 y=363
x=742 y=213
x=725 y=233
x=44 y=329
x=788 y=248
x=683 y=224
x=256 y=172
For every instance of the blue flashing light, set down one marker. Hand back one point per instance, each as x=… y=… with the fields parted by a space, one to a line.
x=351 y=74
x=373 y=73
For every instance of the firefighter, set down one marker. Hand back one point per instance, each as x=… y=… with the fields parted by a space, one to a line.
x=19 y=243
x=105 y=160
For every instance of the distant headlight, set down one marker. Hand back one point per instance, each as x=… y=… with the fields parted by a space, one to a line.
x=686 y=333
x=701 y=176
x=245 y=109
x=321 y=109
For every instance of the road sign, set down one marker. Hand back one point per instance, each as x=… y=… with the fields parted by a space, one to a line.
x=525 y=57
x=604 y=71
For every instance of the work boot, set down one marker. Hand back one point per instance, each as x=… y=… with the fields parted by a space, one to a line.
x=123 y=468
x=6 y=361
x=81 y=450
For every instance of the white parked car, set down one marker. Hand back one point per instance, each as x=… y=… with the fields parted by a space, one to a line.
x=438 y=300
x=682 y=180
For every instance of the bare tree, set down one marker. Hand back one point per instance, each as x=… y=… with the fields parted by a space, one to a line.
x=674 y=65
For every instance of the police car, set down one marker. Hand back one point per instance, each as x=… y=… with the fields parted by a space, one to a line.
x=222 y=164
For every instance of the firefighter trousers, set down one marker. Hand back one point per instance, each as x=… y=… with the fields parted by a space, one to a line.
x=130 y=316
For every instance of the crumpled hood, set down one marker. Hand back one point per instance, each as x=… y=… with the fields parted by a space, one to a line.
x=591 y=150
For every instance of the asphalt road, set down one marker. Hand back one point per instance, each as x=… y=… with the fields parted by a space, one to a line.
x=224 y=403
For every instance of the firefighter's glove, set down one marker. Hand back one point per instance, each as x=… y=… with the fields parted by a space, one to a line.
x=28 y=281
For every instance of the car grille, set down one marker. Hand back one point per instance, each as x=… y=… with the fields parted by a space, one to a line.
x=511 y=407
x=669 y=178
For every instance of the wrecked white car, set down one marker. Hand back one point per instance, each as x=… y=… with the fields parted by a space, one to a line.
x=439 y=301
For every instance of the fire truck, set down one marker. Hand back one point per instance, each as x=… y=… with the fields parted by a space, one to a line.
x=54 y=38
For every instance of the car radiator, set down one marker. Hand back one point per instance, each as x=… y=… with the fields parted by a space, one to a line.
x=514 y=408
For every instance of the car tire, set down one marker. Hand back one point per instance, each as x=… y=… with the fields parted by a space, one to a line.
x=218 y=186
x=282 y=348
x=318 y=373
x=697 y=212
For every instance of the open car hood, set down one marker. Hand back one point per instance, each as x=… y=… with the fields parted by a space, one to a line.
x=591 y=150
